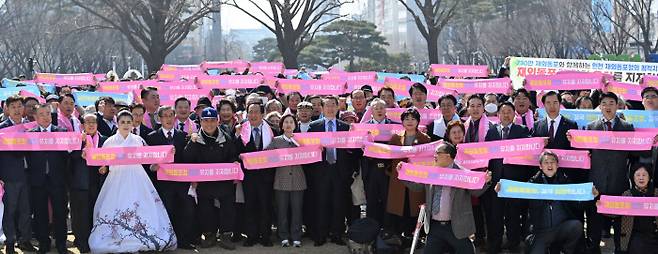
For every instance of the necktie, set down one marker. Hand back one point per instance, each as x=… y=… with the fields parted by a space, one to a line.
x=181 y=126
x=135 y=130
x=436 y=200
x=153 y=121
x=471 y=132
x=170 y=138
x=551 y=130
x=523 y=119
x=608 y=125
x=331 y=152
x=505 y=132
x=72 y=125
x=256 y=133
x=47 y=164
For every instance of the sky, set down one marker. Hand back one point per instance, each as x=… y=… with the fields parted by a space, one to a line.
x=232 y=18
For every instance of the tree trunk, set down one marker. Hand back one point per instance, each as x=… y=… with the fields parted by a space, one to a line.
x=289 y=54
x=433 y=48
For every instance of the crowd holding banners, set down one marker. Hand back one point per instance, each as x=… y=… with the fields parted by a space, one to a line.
x=333 y=171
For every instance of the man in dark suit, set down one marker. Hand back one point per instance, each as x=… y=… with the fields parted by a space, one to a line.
x=47 y=177
x=499 y=210
x=107 y=124
x=373 y=172
x=437 y=128
x=609 y=171
x=650 y=103
x=85 y=185
x=555 y=126
x=139 y=128
x=179 y=205
x=330 y=179
x=258 y=190
x=16 y=218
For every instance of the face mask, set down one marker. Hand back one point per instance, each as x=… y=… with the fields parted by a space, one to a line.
x=491 y=108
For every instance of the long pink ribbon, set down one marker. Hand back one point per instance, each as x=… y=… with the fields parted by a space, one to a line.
x=179 y=74
x=200 y=172
x=267 y=68
x=59 y=79
x=40 y=141
x=129 y=155
x=500 y=149
x=497 y=85
x=306 y=87
x=19 y=127
x=568 y=81
x=339 y=139
x=177 y=85
x=169 y=97
x=612 y=140
x=173 y=67
x=464 y=71
x=281 y=157
x=380 y=132
x=567 y=159
x=229 y=81
x=383 y=151
x=351 y=77
x=451 y=177
x=628 y=206
x=629 y=91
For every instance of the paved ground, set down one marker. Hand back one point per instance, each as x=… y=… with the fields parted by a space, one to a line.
x=308 y=248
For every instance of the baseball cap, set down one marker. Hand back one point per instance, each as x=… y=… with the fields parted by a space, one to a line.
x=203 y=101
x=209 y=113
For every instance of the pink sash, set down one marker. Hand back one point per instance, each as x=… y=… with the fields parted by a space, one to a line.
x=483 y=127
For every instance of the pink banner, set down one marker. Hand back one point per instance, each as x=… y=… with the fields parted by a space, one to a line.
x=65 y=79
x=230 y=81
x=169 y=97
x=612 y=140
x=374 y=84
x=200 y=172
x=399 y=86
x=313 y=86
x=383 y=151
x=422 y=161
x=457 y=178
x=173 y=67
x=339 y=139
x=462 y=71
x=500 y=149
x=435 y=92
x=628 y=206
x=290 y=72
x=567 y=159
x=39 y=141
x=472 y=163
x=570 y=81
x=125 y=86
x=177 y=85
x=351 y=77
x=19 y=127
x=26 y=94
x=380 y=132
x=628 y=91
x=179 y=74
x=282 y=157
x=426 y=115
x=129 y=155
x=649 y=80
x=496 y=85
x=267 y=68
x=237 y=65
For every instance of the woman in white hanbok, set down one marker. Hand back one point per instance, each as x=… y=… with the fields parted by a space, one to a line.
x=129 y=215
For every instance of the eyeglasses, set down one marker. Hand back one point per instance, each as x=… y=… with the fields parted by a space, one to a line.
x=650 y=96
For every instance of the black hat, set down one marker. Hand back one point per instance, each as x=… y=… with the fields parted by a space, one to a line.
x=203 y=101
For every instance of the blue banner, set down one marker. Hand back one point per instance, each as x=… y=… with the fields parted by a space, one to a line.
x=639 y=118
x=10 y=91
x=414 y=77
x=89 y=98
x=567 y=192
x=48 y=88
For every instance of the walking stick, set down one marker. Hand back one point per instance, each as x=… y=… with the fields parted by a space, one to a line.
x=419 y=225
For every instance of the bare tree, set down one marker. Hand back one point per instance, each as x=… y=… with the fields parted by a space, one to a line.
x=433 y=17
x=280 y=16
x=154 y=28
x=599 y=31
x=638 y=13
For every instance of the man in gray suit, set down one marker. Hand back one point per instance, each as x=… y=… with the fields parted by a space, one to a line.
x=448 y=213
x=609 y=169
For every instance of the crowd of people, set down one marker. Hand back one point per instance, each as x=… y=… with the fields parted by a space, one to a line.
x=43 y=189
